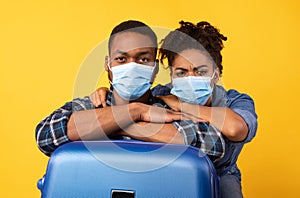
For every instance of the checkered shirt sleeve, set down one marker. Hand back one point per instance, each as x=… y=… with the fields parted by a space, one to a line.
x=203 y=136
x=51 y=132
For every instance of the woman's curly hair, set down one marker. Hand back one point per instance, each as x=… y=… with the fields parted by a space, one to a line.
x=202 y=36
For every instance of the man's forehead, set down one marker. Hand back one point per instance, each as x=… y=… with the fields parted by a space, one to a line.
x=131 y=41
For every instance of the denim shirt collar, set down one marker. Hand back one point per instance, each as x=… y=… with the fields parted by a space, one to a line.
x=219 y=97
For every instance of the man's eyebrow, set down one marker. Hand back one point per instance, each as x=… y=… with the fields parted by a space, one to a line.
x=119 y=52
x=126 y=53
x=144 y=52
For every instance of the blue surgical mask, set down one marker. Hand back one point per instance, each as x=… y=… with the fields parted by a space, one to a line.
x=132 y=80
x=192 y=89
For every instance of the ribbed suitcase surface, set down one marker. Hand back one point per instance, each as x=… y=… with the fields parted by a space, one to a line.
x=128 y=169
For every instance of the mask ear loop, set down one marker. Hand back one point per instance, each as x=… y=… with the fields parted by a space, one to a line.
x=108 y=63
x=109 y=68
x=213 y=75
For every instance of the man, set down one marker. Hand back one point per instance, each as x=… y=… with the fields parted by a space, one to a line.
x=130 y=109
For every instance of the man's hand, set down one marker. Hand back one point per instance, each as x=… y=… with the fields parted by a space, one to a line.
x=98 y=97
x=155 y=114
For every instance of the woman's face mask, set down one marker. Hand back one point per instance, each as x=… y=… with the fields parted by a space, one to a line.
x=191 y=76
x=193 y=89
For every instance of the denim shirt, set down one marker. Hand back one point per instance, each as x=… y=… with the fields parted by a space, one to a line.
x=241 y=104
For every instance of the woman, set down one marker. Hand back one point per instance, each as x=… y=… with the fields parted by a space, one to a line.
x=193 y=53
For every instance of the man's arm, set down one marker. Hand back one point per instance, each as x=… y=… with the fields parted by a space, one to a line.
x=78 y=120
x=154 y=132
x=98 y=123
x=206 y=138
x=51 y=132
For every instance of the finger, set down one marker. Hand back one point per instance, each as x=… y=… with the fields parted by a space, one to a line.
x=102 y=100
x=97 y=98
x=92 y=98
x=175 y=108
x=192 y=117
x=183 y=116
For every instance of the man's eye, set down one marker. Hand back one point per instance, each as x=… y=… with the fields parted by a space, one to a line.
x=144 y=60
x=120 y=59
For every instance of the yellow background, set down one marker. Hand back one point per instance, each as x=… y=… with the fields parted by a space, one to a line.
x=43 y=44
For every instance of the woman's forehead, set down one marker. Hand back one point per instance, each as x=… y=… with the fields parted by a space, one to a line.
x=192 y=57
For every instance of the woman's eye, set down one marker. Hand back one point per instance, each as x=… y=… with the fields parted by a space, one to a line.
x=180 y=74
x=202 y=72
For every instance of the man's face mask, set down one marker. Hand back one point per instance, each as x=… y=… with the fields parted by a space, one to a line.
x=132 y=80
x=193 y=89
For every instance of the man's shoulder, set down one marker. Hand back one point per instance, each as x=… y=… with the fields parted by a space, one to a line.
x=81 y=104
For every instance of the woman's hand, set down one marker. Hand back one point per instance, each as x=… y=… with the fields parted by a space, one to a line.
x=192 y=110
x=172 y=101
x=98 y=97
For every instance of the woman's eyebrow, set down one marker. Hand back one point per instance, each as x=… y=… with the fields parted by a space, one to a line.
x=181 y=68
x=200 y=66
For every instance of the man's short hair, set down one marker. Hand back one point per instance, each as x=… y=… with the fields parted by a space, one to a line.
x=133 y=26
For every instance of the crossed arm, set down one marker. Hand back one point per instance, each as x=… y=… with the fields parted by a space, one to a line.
x=229 y=123
x=79 y=120
x=121 y=120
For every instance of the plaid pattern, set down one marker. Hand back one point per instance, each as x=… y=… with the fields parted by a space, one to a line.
x=203 y=136
x=52 y=131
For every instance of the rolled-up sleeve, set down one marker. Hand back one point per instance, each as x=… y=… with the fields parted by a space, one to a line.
x=243 y=105
x=51 y=132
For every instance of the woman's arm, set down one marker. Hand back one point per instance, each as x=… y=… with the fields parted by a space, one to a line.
x=231 y=124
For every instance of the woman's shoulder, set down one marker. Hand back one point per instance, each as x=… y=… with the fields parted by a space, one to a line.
x=161 y=90
x=235 y=94
x=232 y=96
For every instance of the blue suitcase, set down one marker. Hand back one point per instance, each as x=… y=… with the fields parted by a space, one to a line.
x=128 y=169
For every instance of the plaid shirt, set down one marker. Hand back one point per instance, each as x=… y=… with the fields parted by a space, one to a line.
x=52 y=131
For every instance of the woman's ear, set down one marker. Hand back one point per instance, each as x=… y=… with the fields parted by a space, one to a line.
x=216 y=76
x=156 y=69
